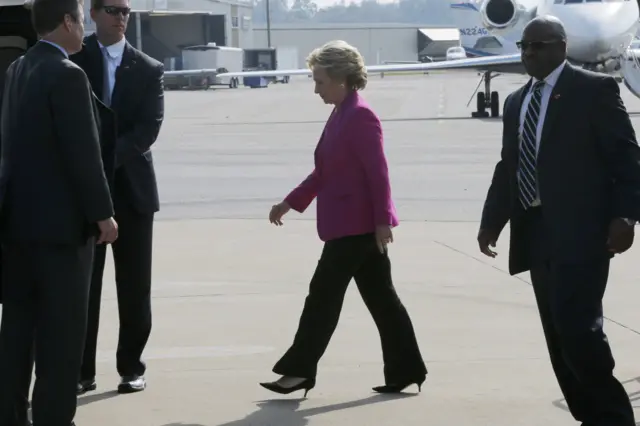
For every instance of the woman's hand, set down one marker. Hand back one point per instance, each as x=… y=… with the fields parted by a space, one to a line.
x=277 y=211
x=384 y=236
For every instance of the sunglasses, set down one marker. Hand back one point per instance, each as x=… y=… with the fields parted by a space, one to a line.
x=117 y=10
x=536 y=45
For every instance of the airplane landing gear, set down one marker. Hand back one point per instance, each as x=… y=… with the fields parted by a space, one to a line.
x=486 y=99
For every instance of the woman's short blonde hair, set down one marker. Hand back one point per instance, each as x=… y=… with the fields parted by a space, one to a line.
x=342 y=62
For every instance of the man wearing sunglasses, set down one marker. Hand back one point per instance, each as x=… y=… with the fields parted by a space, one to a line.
x=131 y=84
x=569 y=183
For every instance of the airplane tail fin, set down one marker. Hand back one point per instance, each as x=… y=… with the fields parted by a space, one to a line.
x=467 y=18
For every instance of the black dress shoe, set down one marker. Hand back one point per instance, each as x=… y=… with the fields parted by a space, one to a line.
x=306 y=384
x=132 y=384
x=85 y=386
x=398 y=387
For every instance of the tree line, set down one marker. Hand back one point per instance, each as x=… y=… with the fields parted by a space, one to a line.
x=431 y=12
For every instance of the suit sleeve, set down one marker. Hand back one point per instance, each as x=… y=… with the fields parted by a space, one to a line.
x=497 y=205
x=619 y=147
x=300 y=198
x=148 y=123
x=368 y=145
x=107 y=131
x=79 y=143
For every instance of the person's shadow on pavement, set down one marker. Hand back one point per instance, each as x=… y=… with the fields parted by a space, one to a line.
x=286 y=412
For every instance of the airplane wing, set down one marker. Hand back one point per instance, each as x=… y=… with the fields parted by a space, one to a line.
x=498 y=63
x=26 y=3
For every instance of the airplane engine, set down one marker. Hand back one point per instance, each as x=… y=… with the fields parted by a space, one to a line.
x=630 y=71
x=499 y=15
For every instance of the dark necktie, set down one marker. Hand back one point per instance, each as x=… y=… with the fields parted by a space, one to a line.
x=106 y=87
x=527 y=164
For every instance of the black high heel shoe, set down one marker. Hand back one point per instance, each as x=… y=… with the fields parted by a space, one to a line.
x=307 y=385
x=397 y=387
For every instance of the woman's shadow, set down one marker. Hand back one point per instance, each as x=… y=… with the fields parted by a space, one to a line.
x=286 y=412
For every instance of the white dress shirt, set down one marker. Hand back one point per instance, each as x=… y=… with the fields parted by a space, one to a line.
x=549 y=83
x=112 y=56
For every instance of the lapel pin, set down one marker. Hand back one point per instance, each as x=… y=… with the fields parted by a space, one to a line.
x=556 y=96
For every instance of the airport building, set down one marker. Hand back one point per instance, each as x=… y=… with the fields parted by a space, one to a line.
x=378 y=43
x=161 y=28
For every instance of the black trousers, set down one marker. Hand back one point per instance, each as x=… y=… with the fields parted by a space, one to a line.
x=132 y=254
x=343 y=259
x=569 y=299
x=45 y=299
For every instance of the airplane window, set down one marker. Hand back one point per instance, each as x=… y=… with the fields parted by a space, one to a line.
x=594 y=1
x=573 y=1
x=558 y=1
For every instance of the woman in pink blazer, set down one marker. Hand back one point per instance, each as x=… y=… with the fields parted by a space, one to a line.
x=355 y=215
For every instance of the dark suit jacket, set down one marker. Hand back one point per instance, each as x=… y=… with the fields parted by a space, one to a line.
x=53 y=187
x=588 y=169
x=138 y=104
x=105 y=123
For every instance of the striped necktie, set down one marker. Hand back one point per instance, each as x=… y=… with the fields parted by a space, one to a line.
x=528 y=152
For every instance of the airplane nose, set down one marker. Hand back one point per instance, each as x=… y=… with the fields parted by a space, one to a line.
x=596 y=31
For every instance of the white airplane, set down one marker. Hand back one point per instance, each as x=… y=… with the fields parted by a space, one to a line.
x=599 y=33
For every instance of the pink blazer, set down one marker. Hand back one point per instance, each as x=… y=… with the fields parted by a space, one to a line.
x=350 y=178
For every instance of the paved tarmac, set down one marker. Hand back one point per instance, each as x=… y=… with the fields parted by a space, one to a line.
x=229 y=287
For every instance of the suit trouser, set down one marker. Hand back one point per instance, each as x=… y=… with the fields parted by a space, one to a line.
x=132 y=254
x=343 y=259
x=45 y=292
x=569 y=298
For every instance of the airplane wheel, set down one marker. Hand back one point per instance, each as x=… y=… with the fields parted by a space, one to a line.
x=495 y=104
x=482 y=107
x=482 y=103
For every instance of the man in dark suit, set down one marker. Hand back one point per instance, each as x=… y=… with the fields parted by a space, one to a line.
x=131 y=83
x=569 y=182
x=54 y=201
